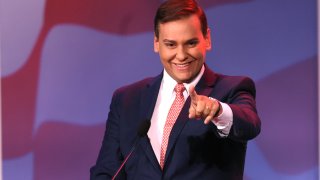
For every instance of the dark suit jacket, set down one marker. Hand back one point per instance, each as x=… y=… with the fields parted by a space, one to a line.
x=195 y=150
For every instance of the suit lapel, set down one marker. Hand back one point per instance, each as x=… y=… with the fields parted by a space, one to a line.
x=147 y=104
x=149 y=96
x=204 y=87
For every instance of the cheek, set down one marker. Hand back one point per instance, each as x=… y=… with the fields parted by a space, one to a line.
x=166 y=55
x=198 y=53
x=164 y=59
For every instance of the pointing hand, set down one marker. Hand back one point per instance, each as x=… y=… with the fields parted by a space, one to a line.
x=203 y=107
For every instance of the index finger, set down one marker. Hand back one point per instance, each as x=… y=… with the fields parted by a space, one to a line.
x=193 y=94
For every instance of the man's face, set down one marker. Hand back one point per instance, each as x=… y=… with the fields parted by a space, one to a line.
x=182 y=48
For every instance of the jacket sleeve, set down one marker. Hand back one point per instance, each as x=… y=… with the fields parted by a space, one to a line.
x=241 y=99
x=107 y=164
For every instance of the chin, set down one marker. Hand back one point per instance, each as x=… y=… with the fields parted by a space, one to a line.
x=184 y=80
x=183 y=77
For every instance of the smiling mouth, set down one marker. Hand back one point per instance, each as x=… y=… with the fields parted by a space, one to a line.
x=182 y=66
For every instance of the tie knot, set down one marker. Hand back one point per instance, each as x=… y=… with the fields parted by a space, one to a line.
x=179 y=88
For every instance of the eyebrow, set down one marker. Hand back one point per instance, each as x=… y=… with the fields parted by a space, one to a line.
x=173 y=41
x=193 y=39
x=167 y=40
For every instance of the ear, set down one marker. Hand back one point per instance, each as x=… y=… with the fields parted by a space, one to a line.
x=155 y=44
x=208 y=40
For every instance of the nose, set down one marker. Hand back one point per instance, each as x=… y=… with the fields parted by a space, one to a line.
x=181 y=54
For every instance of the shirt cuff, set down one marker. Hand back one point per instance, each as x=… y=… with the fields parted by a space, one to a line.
x=224 y=120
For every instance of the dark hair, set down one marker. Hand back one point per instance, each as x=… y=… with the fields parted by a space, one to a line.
x=172 y=10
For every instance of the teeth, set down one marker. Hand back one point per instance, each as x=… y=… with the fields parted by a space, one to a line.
x=182 y=65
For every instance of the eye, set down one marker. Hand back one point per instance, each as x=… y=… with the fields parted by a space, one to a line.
x=170 y=45
x=193 y=43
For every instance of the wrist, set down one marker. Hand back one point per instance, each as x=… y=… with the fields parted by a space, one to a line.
x=219 y=109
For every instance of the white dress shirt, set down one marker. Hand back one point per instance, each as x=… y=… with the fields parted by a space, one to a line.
x=165 y=99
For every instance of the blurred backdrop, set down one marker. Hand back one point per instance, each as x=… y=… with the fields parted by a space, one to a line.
x=62 y=60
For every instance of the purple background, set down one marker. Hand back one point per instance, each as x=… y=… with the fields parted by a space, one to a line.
x=62 y=60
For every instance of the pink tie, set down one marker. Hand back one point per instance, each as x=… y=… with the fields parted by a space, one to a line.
x=171 y=119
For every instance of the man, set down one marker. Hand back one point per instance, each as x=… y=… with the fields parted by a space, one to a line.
x=200 y=121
